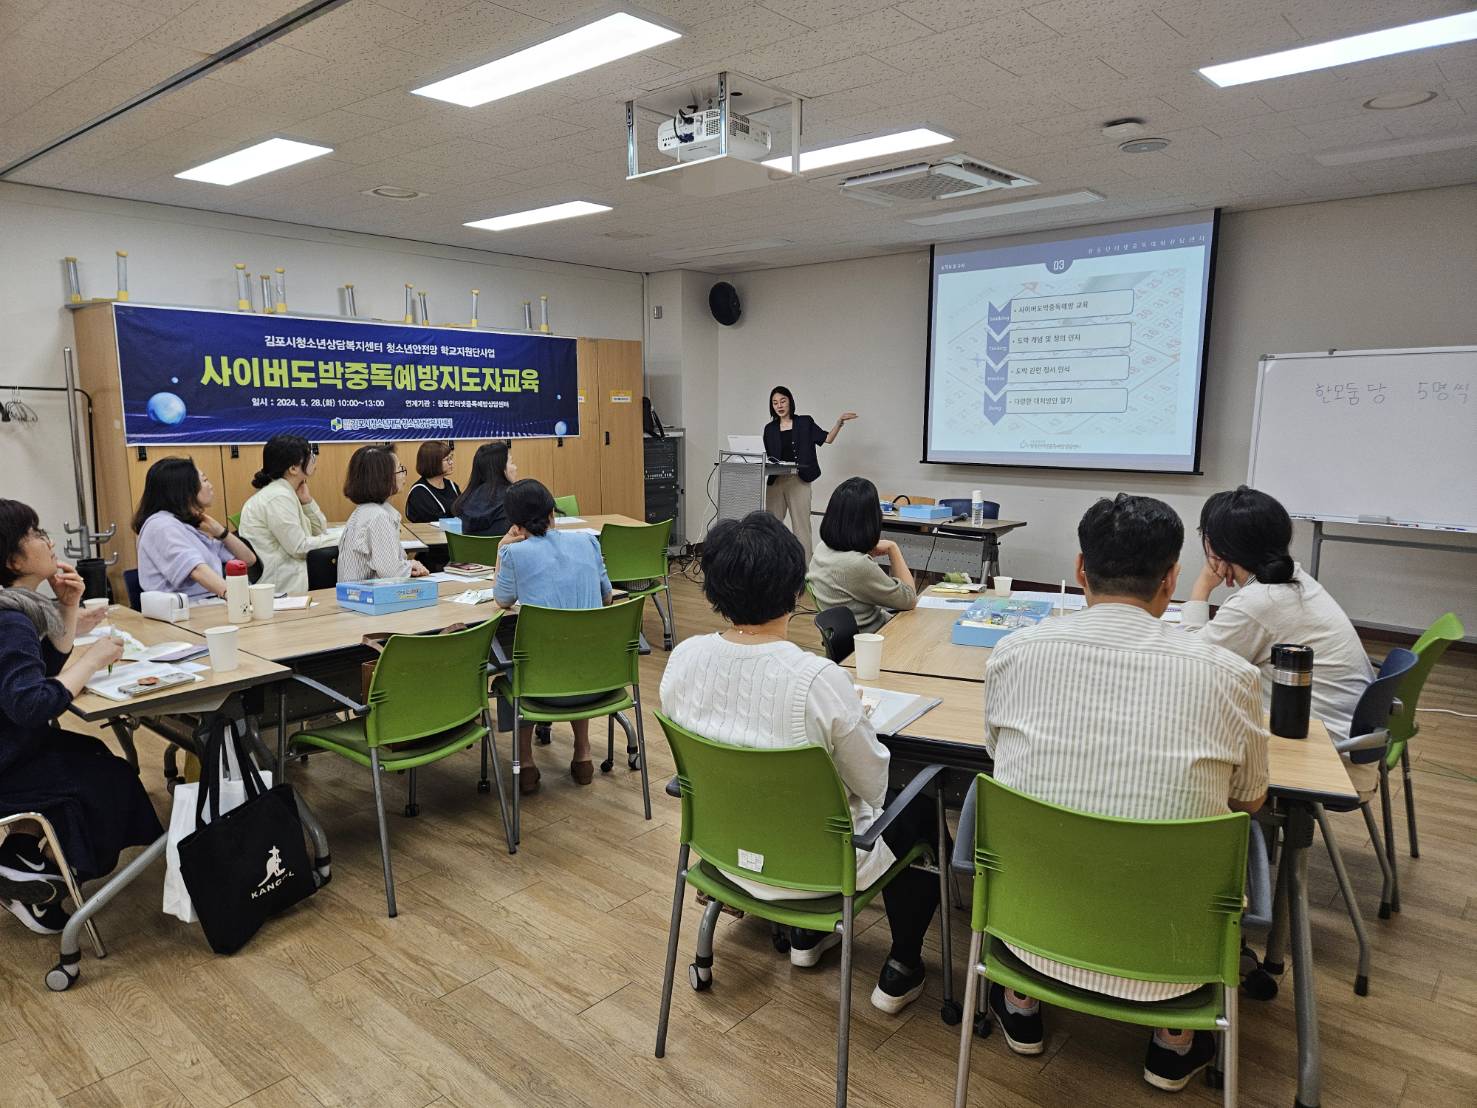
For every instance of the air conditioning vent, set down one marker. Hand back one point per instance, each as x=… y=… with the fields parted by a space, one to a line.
x=950 y=178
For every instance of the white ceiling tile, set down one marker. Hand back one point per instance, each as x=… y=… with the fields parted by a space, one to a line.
x=989 y=38
x=94 y=27
x=210 y=25
x=845 y=40
x=840 y=76
x=476 y=34
x=819 y=14
x=947 y=15
x=353 y=28
x=146 y=63
x=1319 y=20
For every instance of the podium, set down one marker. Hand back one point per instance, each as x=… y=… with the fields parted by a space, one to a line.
x=742 y=479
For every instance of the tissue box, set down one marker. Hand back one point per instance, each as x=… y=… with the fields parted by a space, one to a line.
x=925 y=511
x=990 y=619
x=450 y=523
x=382 y=596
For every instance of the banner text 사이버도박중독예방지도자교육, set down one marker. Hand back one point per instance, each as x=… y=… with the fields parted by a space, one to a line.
x=202 y=376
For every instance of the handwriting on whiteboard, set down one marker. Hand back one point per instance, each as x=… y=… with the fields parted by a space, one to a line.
x=1351 y=394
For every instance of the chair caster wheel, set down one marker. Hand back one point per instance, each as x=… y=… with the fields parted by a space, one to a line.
x=951 y=1013
x=1214 y=1078
x=781 y=940
x=543 y=734
x=484 y=786
x=1384 y=910
x=667 y=645
x=1361 y=985
x=633 y=761
x=1274 y=968
x=699 y=978
x=59 y=979
x=982 y=1025
x=412 y=810
x=605 y=765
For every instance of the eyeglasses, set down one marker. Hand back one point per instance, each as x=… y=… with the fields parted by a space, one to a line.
x=401 y=472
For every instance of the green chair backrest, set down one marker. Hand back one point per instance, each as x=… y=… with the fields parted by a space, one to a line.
x=235 y=520
x=479 y=549
x=577 y=651
x=428 y=683
x=1153 y=900
x=774 y=815
x=567 y=505
x=635 y=553
x=1428 y=650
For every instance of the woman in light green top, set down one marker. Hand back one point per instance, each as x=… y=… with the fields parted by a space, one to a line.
x=842 y=570
x=282 y=522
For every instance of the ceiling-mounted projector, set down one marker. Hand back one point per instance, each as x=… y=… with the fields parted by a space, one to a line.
x=692 y=134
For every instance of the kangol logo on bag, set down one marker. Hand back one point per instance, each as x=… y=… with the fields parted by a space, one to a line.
x=276 y=874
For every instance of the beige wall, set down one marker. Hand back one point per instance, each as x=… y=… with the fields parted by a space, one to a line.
x=1386 y=271
x=181 y=256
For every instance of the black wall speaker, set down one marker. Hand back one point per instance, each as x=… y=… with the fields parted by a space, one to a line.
x=723 y=302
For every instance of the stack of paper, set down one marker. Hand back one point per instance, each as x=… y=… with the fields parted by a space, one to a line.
x=110 y=685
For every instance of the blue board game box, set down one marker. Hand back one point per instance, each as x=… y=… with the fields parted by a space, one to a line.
x=930 y=512
x=383 y=595
x=991 y=618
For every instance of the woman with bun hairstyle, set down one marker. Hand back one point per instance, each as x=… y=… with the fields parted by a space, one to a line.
x=282 y=521
x=1246 y=535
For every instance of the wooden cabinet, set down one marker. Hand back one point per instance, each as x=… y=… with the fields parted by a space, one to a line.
x=601 y=466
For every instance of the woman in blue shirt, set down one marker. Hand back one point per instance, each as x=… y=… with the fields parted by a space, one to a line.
x=549 y=569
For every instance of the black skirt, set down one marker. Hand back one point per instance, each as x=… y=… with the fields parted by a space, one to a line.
x=93 y=798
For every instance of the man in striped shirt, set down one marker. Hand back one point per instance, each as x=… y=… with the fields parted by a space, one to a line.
x=1114 y=712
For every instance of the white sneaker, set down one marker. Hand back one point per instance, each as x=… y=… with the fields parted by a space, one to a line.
x=806 y=956
x=46 y=919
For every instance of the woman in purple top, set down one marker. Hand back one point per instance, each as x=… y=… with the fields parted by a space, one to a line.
x=180 y=547
x=93 y=798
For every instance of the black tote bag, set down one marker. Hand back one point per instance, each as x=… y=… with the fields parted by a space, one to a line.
x=246 y=865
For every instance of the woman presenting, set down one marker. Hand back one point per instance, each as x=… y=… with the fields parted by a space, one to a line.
x=793 y=438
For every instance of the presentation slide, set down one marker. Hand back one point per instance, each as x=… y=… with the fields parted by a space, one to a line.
x=1073 y=349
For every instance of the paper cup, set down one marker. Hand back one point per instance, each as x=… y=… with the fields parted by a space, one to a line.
x=263 y=596
x=95 y=602
x=1002 y=585
x=868 y=650
x=222 y=643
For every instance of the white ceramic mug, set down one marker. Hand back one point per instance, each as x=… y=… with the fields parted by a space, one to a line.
x=223 y=652
x=263 y=598
x=868 y=650
x=1002 y=585
x=95 y=602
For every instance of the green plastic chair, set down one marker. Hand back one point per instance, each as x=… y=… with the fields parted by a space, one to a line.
x=1151 y=900
x=581 y=652
x=427 y=701
x=566 y=505
x=1403 y=725
x=636 y=559
x=787 y=809
x=478 y=549
x=235 y=520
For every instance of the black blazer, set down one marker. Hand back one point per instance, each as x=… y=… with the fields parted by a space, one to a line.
x=807 y=437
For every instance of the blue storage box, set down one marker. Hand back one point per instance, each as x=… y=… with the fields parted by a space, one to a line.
x=991 y=618
x=925 y=512
x=382 y=596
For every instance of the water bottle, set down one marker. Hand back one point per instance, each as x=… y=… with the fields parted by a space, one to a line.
x=976 y=507
x=1292 y=689
x=238 y=596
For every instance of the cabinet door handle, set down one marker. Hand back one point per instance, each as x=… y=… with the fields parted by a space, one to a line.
x=607 y=438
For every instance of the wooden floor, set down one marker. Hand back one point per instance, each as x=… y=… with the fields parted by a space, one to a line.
x=534 y=979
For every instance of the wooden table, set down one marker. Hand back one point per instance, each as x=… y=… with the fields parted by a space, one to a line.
x=206 y=695
x=432 y=535
x=917 y=642
x=323 y=602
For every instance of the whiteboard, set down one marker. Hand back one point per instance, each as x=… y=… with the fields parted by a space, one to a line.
x=1369 y=436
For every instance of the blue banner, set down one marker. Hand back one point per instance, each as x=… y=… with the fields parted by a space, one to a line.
x=196 y=376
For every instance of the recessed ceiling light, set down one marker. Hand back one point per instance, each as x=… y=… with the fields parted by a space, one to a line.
x=393 y=192
x=876 y=146
x=1342 y=51
x=538 y=215
x=1010 y=207
x=605 y=40
x=1143 y=145
x=1404 y=149
x=264 y=157
x=1394 y=101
